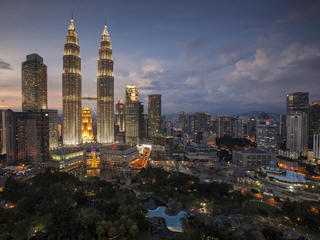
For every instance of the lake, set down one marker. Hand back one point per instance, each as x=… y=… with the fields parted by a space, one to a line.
x=173 y=222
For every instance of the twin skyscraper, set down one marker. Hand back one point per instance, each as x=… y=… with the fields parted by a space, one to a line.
x=71 y=89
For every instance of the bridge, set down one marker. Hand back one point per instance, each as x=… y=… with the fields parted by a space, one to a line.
x=89 y=98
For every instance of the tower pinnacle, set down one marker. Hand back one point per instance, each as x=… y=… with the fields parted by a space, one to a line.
x=71 y=25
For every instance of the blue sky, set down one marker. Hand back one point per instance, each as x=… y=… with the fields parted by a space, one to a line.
x=222 y=57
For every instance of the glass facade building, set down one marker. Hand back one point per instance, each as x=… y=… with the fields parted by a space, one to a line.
x=132 y=114
x=154 y=114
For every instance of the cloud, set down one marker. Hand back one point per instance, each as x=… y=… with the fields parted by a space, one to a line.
x=304 y=11
x=273 y=72
x=5 y=65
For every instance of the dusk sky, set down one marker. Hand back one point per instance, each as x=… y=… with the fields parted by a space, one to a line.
x=222 y=57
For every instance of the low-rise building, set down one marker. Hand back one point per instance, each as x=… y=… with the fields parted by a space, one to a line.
x=67 y=159
x=251 y=159
x=118 y=155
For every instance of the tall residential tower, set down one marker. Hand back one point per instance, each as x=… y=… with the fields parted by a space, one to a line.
x=132 y=114
x=154 y=116
x=34 y=84
x=105 y=91
x=71 y=88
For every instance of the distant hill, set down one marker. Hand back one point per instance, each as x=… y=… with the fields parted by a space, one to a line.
x=257 y=113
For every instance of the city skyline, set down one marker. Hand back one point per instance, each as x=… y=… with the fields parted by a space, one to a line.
x=222 y=67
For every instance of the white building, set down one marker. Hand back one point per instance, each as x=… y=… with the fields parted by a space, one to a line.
x=297 y=132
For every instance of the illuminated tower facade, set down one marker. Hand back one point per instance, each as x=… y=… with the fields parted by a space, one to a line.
x=34 y=84
x=154 y=114
x=105 y=91
x=132 y=114
x=86 y=126
x=120 y=115
x=71 y=88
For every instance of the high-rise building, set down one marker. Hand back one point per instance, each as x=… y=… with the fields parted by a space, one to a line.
x=297 y=102
x=297 y=133
x=71 y=88
x=236 y=127
x=199 y=121
x=251 y=128
x=86 y=126
x=53 y=128
x=105 y=91
x=316 y=146
x=223 y=126
x=142 y=133
x=7 y=137
x=132 y=114
x=314 y=120
x=120 y=115
x=34 y=84
x=27 y=137
x=283 y=126
x=154 y=114
x=183 y=122
x=267 y=135
x=3 y=139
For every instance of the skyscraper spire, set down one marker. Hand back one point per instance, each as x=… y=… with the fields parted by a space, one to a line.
x=105 y=34
x=71 y=25
x=105 y=91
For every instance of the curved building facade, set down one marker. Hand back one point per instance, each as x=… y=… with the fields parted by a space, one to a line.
x=71 y=88
x=86 y=128
x=105 y=91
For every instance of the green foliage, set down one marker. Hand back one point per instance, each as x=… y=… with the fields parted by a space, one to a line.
x=301 y=214
x=59 y=206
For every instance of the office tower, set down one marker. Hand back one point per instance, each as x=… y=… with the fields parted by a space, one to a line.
x=105 y=91
x=251 y=128
x=297 y=102
x=154 y=114
x=120 y=115
x=29 y=137
x=7 y=137
x=267 y=135
x=53 y=128
x=71 y=88
x=223 y=126
x=34 y=84
x=145 y=125
x=86 y=126
x=236 y=127
x=283 y=126
x=3 y=139
x=297 y=133
x=183 y=122
x=200 y=121
x=316 y=146
x=132 y=114
x=314 y=120
x=142 y=133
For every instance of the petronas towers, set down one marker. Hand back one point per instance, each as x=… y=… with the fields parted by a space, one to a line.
x=105 y=91
x=71 y=89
